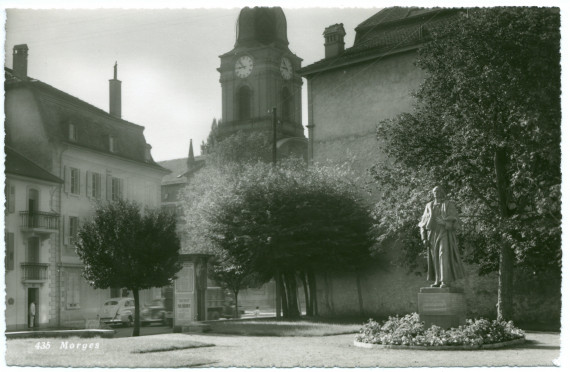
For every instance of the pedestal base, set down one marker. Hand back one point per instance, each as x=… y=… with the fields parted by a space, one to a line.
x=444 y=307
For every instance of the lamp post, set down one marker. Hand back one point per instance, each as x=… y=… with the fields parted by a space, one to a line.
x=277 y=274
x=274 y=136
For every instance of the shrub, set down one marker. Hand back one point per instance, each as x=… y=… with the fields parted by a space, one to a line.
x=408 y=330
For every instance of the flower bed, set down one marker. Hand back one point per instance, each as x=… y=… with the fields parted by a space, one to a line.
x=409 y=331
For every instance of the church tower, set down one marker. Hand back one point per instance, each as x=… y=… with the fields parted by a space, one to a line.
x=260 y=73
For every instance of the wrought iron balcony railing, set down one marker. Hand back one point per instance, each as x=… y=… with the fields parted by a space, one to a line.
x=39 y=220
x=34 y=271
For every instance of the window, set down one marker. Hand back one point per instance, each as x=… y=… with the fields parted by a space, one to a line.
x=116 y=189
x=72 y=230
x=9 y=259
x=10 y=198
x=94 y=185
x=74 y=181
x=72 y=290
x=286 y=105
x=72 y=133
x=244 y=103
x=112 y=144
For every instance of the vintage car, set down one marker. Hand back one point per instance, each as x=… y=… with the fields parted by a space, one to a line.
x=155 y=312
x=117 y=311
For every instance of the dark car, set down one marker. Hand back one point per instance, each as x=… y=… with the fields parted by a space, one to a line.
x=155 y=312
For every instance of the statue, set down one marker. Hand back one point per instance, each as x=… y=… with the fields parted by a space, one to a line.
x=437 y=229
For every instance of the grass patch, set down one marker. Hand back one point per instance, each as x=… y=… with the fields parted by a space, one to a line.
x=128 y=352
x=282 y=328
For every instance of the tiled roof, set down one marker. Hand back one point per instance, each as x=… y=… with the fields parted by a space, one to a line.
x=93 y=125
x=388 y=31
x=392 y=14
x=179 y=170
x=18 y=164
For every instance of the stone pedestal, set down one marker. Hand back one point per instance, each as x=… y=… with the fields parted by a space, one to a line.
x=444 y=307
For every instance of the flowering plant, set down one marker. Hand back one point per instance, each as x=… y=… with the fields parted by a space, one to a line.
x=409 y=330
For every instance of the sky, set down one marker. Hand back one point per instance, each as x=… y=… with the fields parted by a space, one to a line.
x=167 y=54
x=167 y=60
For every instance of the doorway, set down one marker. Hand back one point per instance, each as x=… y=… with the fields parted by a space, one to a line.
x=33 y=297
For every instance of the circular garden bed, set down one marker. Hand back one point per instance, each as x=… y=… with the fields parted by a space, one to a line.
x=409 y=333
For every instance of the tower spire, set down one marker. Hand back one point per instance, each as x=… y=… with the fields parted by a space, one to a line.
x=190 y=160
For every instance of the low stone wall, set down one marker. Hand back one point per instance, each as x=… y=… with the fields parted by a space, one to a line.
x=82 y=333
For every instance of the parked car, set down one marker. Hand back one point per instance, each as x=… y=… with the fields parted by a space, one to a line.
x=115 y=311
x=154 y=312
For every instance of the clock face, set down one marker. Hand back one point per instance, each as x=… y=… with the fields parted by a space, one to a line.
x=286 y=68
x=244 y=65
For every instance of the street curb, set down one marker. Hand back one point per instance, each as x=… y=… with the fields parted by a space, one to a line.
x=498 y=345
x=83 y=333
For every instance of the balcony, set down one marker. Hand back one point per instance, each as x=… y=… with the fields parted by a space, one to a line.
x=39 y=222
x=33 y=272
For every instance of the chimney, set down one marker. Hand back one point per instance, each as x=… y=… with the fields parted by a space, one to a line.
x=334 y=40
x=20 y=61
x=115 y=95
x=190 y=160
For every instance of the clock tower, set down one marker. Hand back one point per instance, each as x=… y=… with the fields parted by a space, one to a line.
x=261 y=73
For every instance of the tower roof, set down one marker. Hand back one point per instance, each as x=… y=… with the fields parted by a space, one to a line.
x=261 y=26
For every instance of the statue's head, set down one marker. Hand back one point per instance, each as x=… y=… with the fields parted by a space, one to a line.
x=439 y=192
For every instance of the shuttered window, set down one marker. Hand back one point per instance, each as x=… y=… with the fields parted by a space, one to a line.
x=9 y=259
x=10 y=198
x=72 y=290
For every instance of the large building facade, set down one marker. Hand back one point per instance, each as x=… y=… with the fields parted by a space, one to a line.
x=349 y=92
x=99 y=156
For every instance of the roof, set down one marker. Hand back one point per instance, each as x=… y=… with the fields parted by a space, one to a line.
x=179 y=169
x=93 y=126
x=389 y=31
x=18 y=164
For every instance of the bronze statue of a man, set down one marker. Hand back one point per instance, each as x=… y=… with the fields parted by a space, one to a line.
x=437 y=229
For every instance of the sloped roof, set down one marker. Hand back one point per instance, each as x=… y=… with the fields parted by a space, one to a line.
x=389 y=31
x=93 y=126
x=179 y=169
x=18 y=164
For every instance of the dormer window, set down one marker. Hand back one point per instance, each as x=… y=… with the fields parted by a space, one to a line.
x=112 y=144
x=147 y=156
x=72 y=133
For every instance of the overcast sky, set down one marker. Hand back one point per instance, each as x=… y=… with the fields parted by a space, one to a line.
x=167 y=60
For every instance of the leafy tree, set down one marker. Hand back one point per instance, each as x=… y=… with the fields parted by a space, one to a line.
x=231 y=276
x=210 y=144
x=124 y=247
x=290 y=220
x=486 y=125
x=242 y=148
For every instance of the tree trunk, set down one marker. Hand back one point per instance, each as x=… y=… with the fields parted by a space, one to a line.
x=291 y=285
x=313 y=291
x=236 y=312
x=359 y=292
x=278 y=295
x=284 y=294
x=505 y=300
x=136 y=328
x=308 y=307
x=506 y=261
